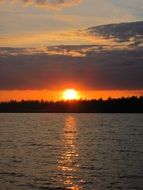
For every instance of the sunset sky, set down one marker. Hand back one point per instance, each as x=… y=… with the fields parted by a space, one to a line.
x=48 y=46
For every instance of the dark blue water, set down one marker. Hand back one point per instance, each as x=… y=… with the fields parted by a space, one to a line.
x=71 y=151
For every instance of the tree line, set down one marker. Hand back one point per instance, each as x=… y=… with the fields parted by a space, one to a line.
x=111 y=105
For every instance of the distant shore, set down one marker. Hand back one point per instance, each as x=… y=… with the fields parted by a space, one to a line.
x=120 y=105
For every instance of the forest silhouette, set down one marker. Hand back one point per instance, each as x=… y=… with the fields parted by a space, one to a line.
x=111 y=105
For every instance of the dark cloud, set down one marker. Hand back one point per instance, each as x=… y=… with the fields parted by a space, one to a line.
x=106 y=67
x=121 y=32
x=116 y=69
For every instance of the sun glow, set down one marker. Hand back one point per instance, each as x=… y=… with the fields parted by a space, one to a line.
x=70 y=94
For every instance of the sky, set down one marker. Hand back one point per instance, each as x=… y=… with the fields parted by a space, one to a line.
x=47 y=46
x=33 y=22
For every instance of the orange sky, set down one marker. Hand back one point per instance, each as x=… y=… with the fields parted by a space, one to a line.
x=58 y=95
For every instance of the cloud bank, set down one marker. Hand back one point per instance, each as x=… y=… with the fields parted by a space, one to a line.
x=97 y=70
x=51 y=4
x=102 y=66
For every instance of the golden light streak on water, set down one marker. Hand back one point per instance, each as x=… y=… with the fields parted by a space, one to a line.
x=68 y=164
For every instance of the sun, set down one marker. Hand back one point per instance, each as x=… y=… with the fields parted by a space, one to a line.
x=70 y=94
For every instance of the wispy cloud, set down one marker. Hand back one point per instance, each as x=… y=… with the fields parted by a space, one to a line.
x=108 y=36
x=71 y=37
x=51 y=4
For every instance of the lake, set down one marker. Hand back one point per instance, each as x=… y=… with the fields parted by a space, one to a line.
x=71 y=151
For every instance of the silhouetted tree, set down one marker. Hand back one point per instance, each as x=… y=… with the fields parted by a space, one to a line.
x=111 y=105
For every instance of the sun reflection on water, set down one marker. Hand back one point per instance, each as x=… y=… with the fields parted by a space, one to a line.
x=68 y=162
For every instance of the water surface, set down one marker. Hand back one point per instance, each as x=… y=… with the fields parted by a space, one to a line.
x=71 y=151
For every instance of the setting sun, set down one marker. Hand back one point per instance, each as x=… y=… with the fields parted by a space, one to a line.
x=70 y=94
